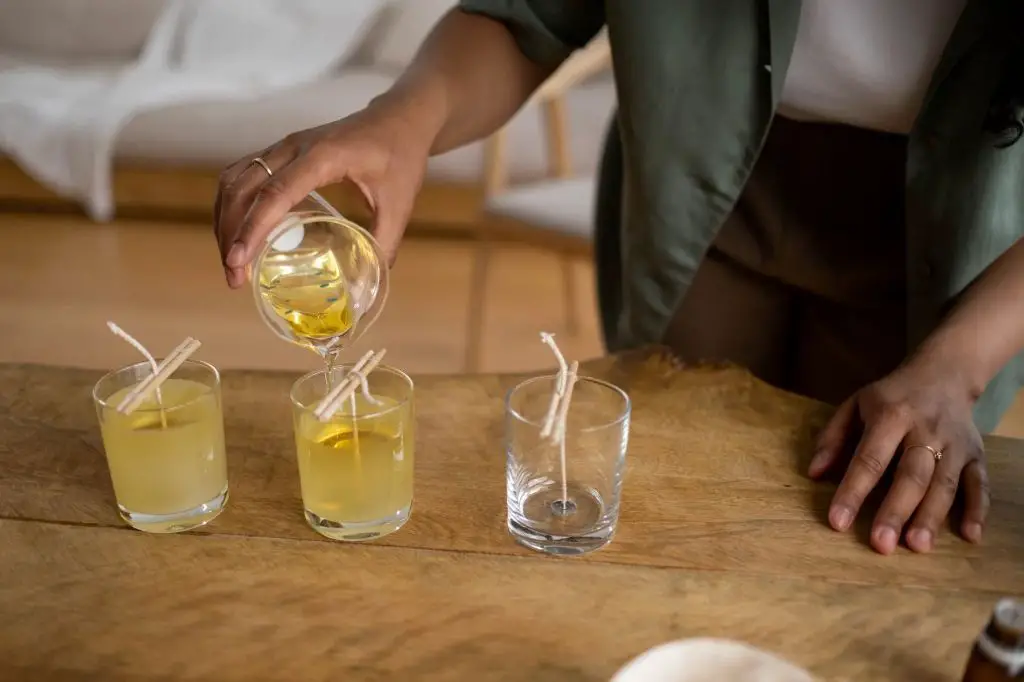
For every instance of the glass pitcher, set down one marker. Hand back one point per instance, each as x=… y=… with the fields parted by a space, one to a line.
x=320 y=280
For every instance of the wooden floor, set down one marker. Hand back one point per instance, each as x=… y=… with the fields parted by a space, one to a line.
x=62 y=278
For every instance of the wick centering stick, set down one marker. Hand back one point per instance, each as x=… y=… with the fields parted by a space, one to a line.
x=164 y=371
x=345 y=390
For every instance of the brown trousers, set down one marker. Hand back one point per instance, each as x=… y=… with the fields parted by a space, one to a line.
x=805 y=283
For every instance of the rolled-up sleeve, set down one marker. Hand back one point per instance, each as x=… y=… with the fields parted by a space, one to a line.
x=547 y=31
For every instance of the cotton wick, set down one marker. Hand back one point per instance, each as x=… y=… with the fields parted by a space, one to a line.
x=161 y=372
x=354 y=378
x=145 y=353
x=553 y=427
x=563 y=405
x=364 y=386
x=559 y=390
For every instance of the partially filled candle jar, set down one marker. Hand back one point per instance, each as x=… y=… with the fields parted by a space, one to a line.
x=320 y=281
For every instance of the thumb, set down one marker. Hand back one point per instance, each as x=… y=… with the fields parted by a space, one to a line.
x=392 y=208
x=832 y=438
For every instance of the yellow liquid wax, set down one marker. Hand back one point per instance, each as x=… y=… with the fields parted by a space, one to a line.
x=305 y=288
x=164 y=475
x=357 y=484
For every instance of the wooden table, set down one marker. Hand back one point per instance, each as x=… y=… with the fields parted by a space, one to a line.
x=720 y=535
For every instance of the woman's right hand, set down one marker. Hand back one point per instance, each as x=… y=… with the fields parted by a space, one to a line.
x=377 y=149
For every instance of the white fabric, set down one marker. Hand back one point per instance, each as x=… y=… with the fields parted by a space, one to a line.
x=60 y=124
x=866 y=63
x=709 y=660
x=563 y=206
x=81 y=29
x=408 y=25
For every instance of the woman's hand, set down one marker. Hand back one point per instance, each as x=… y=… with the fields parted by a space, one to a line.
x=920 y=404
x=467 y=80
x=378 y=149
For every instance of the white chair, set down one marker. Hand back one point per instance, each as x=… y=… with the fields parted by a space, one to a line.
x=554 y=213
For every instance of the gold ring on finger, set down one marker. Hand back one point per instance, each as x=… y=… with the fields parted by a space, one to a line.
x=262 y=164
x=937 y=454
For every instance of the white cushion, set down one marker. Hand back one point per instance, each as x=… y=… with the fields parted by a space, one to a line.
x=214 y=134
x=366 y=49
x=564 y=206
x=86 y=29
x=217 y=133
x=408 y=24
x=275 y=41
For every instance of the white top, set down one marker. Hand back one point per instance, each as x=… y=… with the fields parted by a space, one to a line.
x=866 y=63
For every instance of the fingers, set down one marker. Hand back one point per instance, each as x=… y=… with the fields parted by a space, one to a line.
x=362 y=150
x=239 y=185
x=390 y=219
x=833 y=438
x=229 y=186
x=932 y=494
x=916 y=480
x=225 y=238
x=874 y=453
x=270 y=202
x=936 y=505
x=976 y=500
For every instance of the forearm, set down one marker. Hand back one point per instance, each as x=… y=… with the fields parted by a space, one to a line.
x=468 y=78
x=986 y=328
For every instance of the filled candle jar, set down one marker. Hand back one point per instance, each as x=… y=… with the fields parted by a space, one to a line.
x=166 y=457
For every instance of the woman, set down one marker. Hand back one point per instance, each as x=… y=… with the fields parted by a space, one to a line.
x=830 y=193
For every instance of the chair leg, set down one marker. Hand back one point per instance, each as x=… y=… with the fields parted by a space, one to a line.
x=477 y=302
x=572 y=313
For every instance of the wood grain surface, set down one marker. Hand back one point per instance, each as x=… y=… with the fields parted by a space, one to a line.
x=721 y=534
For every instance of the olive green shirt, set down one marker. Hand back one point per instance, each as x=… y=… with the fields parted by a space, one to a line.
x=698 y=85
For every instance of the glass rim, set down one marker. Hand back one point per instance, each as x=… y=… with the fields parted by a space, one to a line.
x=511 y=411
x=296 y=403
x=104 y=402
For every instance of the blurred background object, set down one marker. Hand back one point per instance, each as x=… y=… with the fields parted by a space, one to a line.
x=555 y=212
x=498 y=242
x=167 y=156
x=60 y=116
x=154 y=267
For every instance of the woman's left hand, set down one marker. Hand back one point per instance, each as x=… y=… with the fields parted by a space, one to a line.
x=919 y=417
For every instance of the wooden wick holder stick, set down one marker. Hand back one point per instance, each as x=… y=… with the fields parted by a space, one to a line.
x=151 y=383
